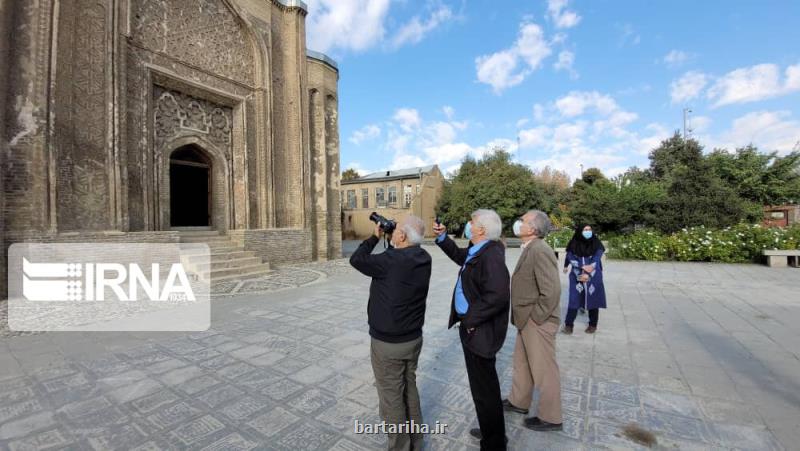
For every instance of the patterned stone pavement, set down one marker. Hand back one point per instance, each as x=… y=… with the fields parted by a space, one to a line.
x=704 y=356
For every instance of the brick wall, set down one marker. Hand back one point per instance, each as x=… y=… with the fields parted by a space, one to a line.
x=5 y=30
x=276 y=246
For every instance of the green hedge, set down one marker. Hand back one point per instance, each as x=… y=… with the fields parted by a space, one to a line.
x=738 y=244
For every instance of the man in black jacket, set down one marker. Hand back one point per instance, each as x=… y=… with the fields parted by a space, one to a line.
x=481 y=303
x=396 y=313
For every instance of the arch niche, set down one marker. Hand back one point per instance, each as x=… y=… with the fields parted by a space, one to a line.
x=194 y=186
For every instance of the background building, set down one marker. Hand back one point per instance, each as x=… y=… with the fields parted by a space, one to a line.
x=393 y=194
x=781 y=215
x=165 y=121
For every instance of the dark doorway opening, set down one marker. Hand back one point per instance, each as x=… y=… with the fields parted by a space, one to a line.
x=190 y=187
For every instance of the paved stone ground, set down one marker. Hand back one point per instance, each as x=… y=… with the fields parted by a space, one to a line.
x=705 y=356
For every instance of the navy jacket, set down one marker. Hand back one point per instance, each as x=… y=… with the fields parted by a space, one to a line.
x=486 y=284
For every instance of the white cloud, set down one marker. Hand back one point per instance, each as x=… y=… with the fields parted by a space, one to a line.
x=354 y=25
x=358 y=25
x=577 y=103
x=793 y=78
x=439 y=133
x=769 y=130
x=506 y=68
x=448 y=111
x=531 y=45
x=535 y=137
x=521 y=123
x=750 y=84
x=499 y=70
x=688 y=87
x=562 y=17
x=414 y=141
x=366 y=133
x=568 y=135
x=416 y=29
x=565 y=61
x=407 y=118
x=676 y=58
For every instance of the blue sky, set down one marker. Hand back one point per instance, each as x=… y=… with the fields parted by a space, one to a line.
x=597 y=82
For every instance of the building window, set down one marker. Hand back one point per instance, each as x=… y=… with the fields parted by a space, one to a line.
x=351 y=198
x=392 y=195
x=380 y=199
x=365 y=198
x=407 y=196
x=418 y=188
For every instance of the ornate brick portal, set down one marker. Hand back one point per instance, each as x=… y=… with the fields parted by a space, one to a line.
x=104 y=91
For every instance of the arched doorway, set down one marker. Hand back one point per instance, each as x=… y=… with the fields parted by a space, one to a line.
x=190 y=187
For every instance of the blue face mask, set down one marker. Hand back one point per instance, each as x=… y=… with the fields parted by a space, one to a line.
x=587 y=234
x=468 y=231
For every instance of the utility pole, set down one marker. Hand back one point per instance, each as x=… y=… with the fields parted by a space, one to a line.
x=686 y=112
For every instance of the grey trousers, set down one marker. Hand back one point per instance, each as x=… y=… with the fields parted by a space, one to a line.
x=395 y=368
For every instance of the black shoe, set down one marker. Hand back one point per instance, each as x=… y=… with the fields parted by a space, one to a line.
x=508 y=407
x=476 y=433
x=538 y=425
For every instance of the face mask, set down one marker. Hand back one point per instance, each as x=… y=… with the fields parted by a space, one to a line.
x=517 y=228
x=587 y=234
x=468 y=231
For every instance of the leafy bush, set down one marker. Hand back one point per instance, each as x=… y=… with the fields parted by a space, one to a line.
x=559 y=238
x=737 y=244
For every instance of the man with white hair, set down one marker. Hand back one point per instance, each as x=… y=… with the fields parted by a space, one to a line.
x=480 y=303
x=396 y=313
x=535 y=309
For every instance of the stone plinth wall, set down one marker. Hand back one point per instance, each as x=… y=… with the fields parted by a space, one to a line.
x=276 y=246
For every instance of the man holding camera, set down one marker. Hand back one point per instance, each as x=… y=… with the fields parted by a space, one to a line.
x=481 y=302
x=396 y=313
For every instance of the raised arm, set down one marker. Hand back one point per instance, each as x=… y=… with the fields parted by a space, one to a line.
x=451 y=249
x=370 y=265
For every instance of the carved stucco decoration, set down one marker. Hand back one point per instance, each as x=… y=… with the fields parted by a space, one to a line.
x=177 y=114
x=202 y=33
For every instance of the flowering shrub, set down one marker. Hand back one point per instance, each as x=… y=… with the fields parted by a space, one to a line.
x=737 y=244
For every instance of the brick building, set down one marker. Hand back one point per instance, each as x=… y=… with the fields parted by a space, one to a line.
x=169 y=121
x=393 y=194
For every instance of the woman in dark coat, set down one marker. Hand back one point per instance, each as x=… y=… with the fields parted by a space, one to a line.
x=586 y=289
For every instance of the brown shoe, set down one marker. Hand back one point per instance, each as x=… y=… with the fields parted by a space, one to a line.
x=591 y=329
x=567 y=330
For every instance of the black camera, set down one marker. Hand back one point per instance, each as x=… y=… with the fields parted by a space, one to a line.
x=387 y=225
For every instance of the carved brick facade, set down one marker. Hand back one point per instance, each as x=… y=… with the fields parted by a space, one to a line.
x=101 y=96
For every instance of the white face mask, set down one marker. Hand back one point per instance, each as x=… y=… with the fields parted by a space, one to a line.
x=517 y=227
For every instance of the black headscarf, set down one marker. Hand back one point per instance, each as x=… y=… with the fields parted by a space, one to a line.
x=582 y=247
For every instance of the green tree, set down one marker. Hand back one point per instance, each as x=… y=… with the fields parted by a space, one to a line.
x=695 y=194
x=350 y=174
x=764 y=178
x=592 y=176
x=493 y=182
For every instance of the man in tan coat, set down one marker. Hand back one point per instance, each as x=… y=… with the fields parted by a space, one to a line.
x=535 y=309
